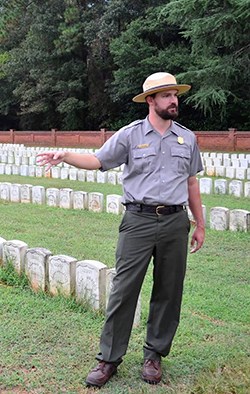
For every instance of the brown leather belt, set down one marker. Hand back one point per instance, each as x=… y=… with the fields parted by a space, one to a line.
x=157 y=209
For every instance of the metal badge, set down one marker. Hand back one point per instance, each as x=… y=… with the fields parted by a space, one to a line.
x=180 y=140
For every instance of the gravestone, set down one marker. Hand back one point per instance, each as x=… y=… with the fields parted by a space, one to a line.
x=236 y=188
x=240 y=173
x=55 y=172
x=15 y=169
x=26 y=193
x=230 y=172
x=64 y=173
x=38 y=195
x=119 y=178
x=31 y=170
x=36 y=267
x=239 y=220
x=95 y=202
x=15 y=192
x=73 y=174
x=8 y=169
x=114 y=204
x=210 y=170
x=80 y=200
x=91 y=283
x=5 y=191
x=220 y=171
x=2 y=169
x=24 y=170
x=101 y=177
x=220 y=186
x=14 y=253
x=112 y=177
x=39 y=171
x=62 y=275
x=91 y=176
x=65 y=198
x=81 y=175
x=219 y=218
x=52 y=197
x=206 y=185
x=110 y=274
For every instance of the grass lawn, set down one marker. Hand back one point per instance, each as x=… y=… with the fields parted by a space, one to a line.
x=48 y=344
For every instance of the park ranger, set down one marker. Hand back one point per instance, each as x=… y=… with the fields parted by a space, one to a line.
x=161 y=159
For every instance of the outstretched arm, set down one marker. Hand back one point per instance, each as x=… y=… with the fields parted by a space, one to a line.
x=86 y=160
x=195 y=206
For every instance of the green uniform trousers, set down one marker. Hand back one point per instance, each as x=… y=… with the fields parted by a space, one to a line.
x=143 y=236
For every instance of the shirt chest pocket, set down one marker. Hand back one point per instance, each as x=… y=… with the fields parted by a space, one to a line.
x=143 y=159
x=180 y=160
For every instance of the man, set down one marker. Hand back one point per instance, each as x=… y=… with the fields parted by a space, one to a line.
x=161 y=160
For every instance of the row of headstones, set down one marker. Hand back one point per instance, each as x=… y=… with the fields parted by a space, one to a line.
x=237 y=219
x=230 y=165
x=64 y=172
x=235 y=187
x=234 y=166
x=89 y=281
x=63 y=198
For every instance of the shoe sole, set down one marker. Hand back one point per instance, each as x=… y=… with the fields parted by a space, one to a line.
x=92 y=384
x=153 y=382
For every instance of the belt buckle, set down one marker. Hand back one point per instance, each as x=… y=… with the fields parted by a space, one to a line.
x=157 y=208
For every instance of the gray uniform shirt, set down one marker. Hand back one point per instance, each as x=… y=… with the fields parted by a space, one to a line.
x=156 y=166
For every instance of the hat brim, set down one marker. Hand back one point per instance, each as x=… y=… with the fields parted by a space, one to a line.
x=141 y=98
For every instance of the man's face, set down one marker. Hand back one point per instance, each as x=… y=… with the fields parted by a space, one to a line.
x=166 y=104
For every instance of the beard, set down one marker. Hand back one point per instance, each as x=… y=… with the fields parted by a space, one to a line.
x=167 y=114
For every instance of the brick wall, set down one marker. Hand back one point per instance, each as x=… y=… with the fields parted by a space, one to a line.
x=228 y=141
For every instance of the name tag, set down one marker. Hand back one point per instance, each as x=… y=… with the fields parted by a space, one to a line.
x=142 y=146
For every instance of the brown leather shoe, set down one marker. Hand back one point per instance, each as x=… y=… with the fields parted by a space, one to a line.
x=151 y=372
x=101 y=374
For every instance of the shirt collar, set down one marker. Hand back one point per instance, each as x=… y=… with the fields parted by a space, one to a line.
x=148 y=127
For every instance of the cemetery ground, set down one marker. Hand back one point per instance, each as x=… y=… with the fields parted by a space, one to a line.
x=48 y=344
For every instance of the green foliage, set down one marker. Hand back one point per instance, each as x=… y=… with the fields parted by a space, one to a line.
x=76 y=64
x=10 y=277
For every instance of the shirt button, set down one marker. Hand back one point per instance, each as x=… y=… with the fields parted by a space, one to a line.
x=163 y=152
x=163 y=167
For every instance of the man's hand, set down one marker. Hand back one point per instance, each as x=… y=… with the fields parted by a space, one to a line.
x=50 y=159
x=197 y=239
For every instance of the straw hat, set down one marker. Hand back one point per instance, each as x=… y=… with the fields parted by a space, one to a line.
x=157 y=83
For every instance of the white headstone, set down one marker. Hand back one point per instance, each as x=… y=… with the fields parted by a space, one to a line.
x=64 y=173
x=81 y=175
x=240 y=173
x=239 y=220
x=2 y=168
x=8 y=169
x=14 y=253
x=62 y=274
x=15 y=192
x=119 y=177
x=220 y=186
x=230 y=172
x=52 y=197
x=38 y=195
x=73 y=174
x=26 y=193
x=5 y=191
x=66 y=198
x=210 y=170
x=24 y=170
x=90 y=175
x=219 y=218
x=236 y=188
x=91 y=283
x=114 y=204
x=101 y=177
x=55 y=172
x=206 y=185
x=80 y=200
x=39 y=171
x=95 y=202
x=220 y=171
x=112 y=177
x=36 y=267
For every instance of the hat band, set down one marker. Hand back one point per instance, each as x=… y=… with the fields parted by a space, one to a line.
x=159 y=87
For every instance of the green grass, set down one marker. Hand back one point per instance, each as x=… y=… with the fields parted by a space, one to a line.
x=48 y=344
